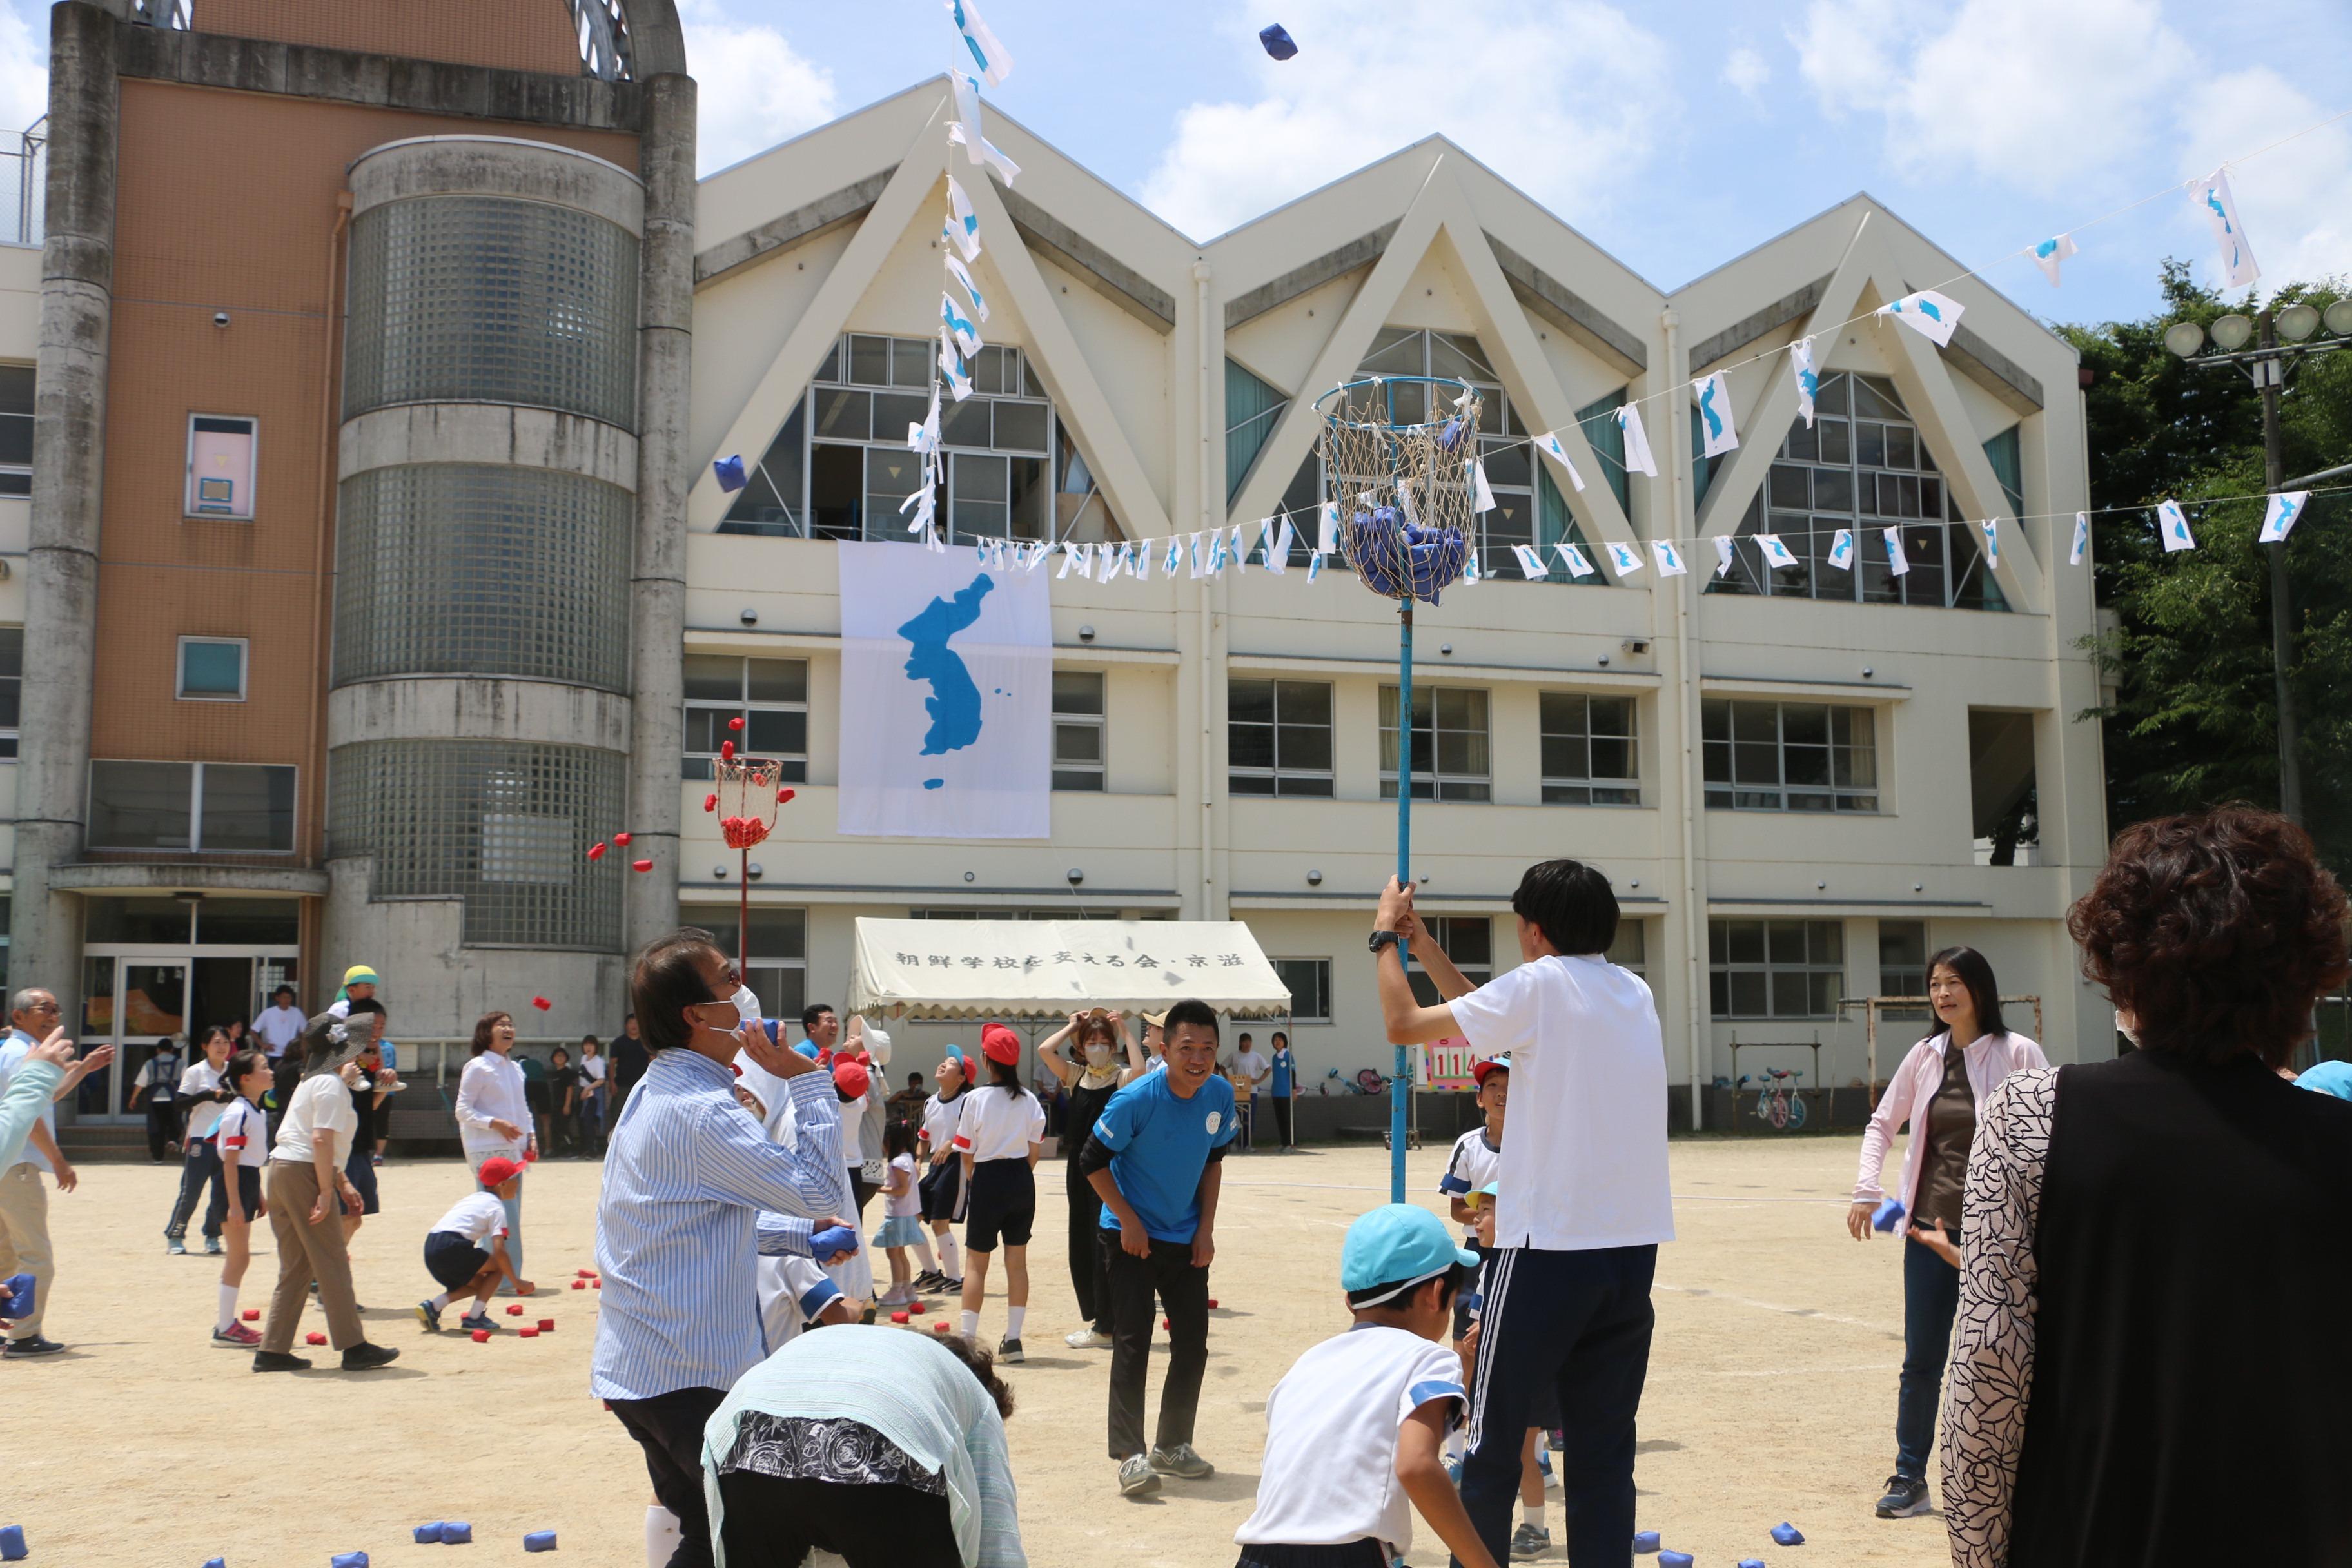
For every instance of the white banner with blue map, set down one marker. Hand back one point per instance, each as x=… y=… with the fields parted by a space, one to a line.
x=947 y=696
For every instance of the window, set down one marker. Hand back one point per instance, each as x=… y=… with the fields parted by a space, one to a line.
x=1449 y=743
x=841 y=467
x=777 y=971
x=1588 y=750
x=1775 y=969
x=1309 y=980
x=1278 y=737
x=1789 y=756
x=220 y=466
x=1468 y=940
x=1252 y=408
x=770 y=694
x=212 y=669
x=1902 y=965
x=521 y=846
x=1502 y=436
x=1631 y=950
x=12 y=686
x=199 y=807
x=1078 y=730
x=15 y=429
x=1862 y=465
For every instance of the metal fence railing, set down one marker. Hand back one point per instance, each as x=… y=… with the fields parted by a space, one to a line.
x=24 y=168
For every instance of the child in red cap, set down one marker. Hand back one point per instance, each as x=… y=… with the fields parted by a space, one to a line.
x=1000 y=1135
x=465 y=1251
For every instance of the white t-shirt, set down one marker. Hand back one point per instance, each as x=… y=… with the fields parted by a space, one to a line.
x=593 y=1069
x=242 y=1134
x=1330 y=1473
x=908 y=1203
x=853 y=1118
x=1251 y=1066
x=1474 y=1164
x=998 y=1124
x=939 y=1119
x=793 y=1291
x=201 y=1078
x=320 y=1104
x=477 y=1216
x=1588 y=1168
x=278 y=1026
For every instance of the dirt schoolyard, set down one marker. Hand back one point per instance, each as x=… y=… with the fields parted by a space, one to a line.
x=1771 y=1396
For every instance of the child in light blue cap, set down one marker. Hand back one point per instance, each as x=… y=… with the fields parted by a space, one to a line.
x=1355 y=1431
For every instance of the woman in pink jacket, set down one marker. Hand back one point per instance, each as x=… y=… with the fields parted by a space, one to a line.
x=1937 y=1090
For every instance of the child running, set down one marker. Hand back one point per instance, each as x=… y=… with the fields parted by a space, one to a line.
x=241 y=1138
x=902 y=1226
x=1354 y=1431
x=456 y=1254
x=1000 y=1135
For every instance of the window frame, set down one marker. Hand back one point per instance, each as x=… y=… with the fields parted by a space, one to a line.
x=1478 y=789
x=196 y=845
x=1723 y=1004
x=1559 y=789
x=180 y=691
x=1446 y=931
x=191 y=507
x=1894 y=987
x=1307 y=784
x=16 y=478
x=723 y=931
x=700 y=767
x=11 y=680
x=1321 y=967
x=1099 y=770
x=1727 y=793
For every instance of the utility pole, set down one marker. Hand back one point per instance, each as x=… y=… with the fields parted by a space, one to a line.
x=2269 y=372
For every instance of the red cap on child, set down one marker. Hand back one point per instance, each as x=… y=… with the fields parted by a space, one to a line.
x=851 y=1079
x=497 y=1169
x=999 y=1044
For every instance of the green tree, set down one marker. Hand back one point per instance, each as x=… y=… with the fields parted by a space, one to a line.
x=2195 y=719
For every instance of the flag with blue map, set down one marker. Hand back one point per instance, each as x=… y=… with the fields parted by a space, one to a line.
x=947 y=673
x=1808 y=379
x=2052 y=253
x=2286 y=509
x=1715 y=435
x=2220 y=210
x=2173 y=524
x=989 y=58
x=1932 y=315
x=2082 y=539
x=1637 y=441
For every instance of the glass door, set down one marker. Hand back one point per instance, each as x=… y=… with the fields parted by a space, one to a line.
x=130 y=1003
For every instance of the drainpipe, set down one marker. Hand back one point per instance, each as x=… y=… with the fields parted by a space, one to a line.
x=1211 y=516
x=311 y=931
x=1688 y=783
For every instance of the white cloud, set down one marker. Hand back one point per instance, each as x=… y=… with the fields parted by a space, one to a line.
x=2296 y=200
x=1745 y=70
x=24 y=66
x=754 y=89
x=1563 y=100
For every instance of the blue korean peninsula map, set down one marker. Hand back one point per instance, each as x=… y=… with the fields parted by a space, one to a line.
x=955 y=701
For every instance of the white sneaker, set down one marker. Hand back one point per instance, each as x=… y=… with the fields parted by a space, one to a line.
x=1085 y=1339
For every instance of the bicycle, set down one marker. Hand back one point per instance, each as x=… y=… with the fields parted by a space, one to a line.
x=1779 y=1097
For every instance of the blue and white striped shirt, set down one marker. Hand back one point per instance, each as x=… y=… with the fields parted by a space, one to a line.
x=694 y=1193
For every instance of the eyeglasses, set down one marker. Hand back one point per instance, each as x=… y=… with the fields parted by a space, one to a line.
x=44 y=1006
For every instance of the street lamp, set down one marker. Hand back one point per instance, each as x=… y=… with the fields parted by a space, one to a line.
x=2267 y=364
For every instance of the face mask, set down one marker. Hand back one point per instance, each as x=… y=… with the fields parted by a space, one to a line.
x=1099 y=1052
x=747 y=1006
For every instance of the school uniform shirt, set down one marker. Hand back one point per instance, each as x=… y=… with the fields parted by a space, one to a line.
x=1279 y=1084
x=1588 y=1078
x=320 y=1104
x=908 y=1203
x=939 y=1119
x=1330 y=1473
x=1475 y=1162
x=492 y=1087
x=1160 y=1145
x=241 y=1135
x=204 y=1116
x=998 y=1124
x=477 y=1216
x=793 y=1291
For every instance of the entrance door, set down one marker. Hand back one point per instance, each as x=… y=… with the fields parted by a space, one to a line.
x=133 y=1002
x=223 y=993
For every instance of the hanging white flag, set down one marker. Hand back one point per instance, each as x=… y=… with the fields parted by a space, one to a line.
x=1670 y=560
x=952 y=366
x=2285 y=511
x=1531 y=565
x=966 y=88
x=921 y=503
x=1327 y=529
x=1216 y=562
x=1842 y=550
x=1069 y=559
x=988 y=56
x=1314 y=566
x=1624 y=559
x=2050 y=252
x=1577 y=566
x=1481 y=497
x=1175 y=553
x=925 y=438
x=1717 y=434
x=1776 y=555
x=1637 y=441
x=1931 y=315
x=1404 y=504
x=2082 y=539
x=987 y=153
x=1809 y=380
x=963 y=224
x=2175 y=526
x=1141 y=565
x=1722 y=554
x=958 y=325
x=934 y=544
x=1240 y=556
x=1277 y=559
x=1549 y=443
x=1038 y=554
x=1471 y=571
x=1193 y=550
x=956 y=270
x=2220 y=210
x=1897 y=562
x=1991 y=527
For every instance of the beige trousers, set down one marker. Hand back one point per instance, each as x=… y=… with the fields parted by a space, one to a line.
x=25 y=1240
x=307 y=1252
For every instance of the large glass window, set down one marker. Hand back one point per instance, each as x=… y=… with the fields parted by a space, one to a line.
x=12 y=686
x=1278 y=737
x=841 y=467
x=770 y=694
x=1902 y=965
x=1863 y=466
x=1252 y=408
x=1450 y=743
x=15 y=429
x=1788 y=756
x=1588 y=750
x=212 y=669
x=1309 y=983
x=1078 y=730
x=1502 y=435
x=221 y=807
x=1775 y=969
x=777 y=971
x=1631 y=950
x=1468 y=940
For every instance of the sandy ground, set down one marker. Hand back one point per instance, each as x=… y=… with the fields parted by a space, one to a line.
x=1771 y=1396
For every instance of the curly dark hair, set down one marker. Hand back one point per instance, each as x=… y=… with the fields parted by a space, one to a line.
x=2217 y=930
x=983 y=1367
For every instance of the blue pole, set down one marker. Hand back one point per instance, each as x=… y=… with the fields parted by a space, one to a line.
x=1400 y=1085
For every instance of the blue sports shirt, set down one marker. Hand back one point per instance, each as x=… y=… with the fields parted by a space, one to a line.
x=1160 y=1145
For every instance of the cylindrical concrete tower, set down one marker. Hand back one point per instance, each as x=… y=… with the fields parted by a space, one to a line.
x=479 y=724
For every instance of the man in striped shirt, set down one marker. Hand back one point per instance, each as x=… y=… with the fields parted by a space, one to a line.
x=694 y=1193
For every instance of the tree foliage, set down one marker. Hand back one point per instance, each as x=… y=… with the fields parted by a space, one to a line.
x=2195 y=716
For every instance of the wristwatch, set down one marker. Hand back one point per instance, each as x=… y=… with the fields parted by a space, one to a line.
x=1381 y=939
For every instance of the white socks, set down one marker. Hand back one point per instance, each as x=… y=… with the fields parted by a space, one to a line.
x=1531 y=1513
x=227 y=1309
x=972 y=1325
x=951 y=1259
x=923 y=1253
x=1013 y=1316
x=440 y=1301
x=661 y=1536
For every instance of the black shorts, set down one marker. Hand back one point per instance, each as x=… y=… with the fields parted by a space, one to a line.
x=452 y=1261
x=361 y=1170
x=1003 y=1203
x=1461 y=1297
x=942 y=1191
x=247 y=1206
x=1361 y=1553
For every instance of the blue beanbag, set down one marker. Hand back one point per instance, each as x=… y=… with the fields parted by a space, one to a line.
x=349 y=1560
x=456 y=1535
x=428 y=1534
x=1889 y=1215
x=539 y=1541
x=11 y=1544
x=732 y=477
x=1788 y=1534
x=1647 y=1540
x=1676 y=1560
x=216 y=1563
x=1276 y=40
x=16 y=1296
x=1751 y=1563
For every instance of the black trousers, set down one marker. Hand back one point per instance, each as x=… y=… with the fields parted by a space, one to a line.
x=163 y=1128
x=668 y=1427
x=1169 y=1272
x=1089 y=1268
x=1282 y=1119
x=1578 y=1323
x=198 y=1166
x=772 y=1523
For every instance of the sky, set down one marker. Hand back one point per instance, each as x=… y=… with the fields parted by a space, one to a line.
x=1674 y=134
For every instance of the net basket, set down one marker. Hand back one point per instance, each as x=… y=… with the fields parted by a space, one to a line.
x=746 y=799
x=1405 y=491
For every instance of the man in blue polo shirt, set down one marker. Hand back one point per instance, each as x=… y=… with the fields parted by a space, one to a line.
x=1153 y=1158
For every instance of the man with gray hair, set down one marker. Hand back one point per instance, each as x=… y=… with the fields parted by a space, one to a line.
x=24 y=1203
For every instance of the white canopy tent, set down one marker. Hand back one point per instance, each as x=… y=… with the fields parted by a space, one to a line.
x=1011 y=969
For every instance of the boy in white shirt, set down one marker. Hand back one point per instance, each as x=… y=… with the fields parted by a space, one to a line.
x=465 y=1251
x=1582 y=1205
x=1354 y=1431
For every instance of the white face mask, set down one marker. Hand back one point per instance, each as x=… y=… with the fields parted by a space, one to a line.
x=1099 y=1052
x=747 y=1006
